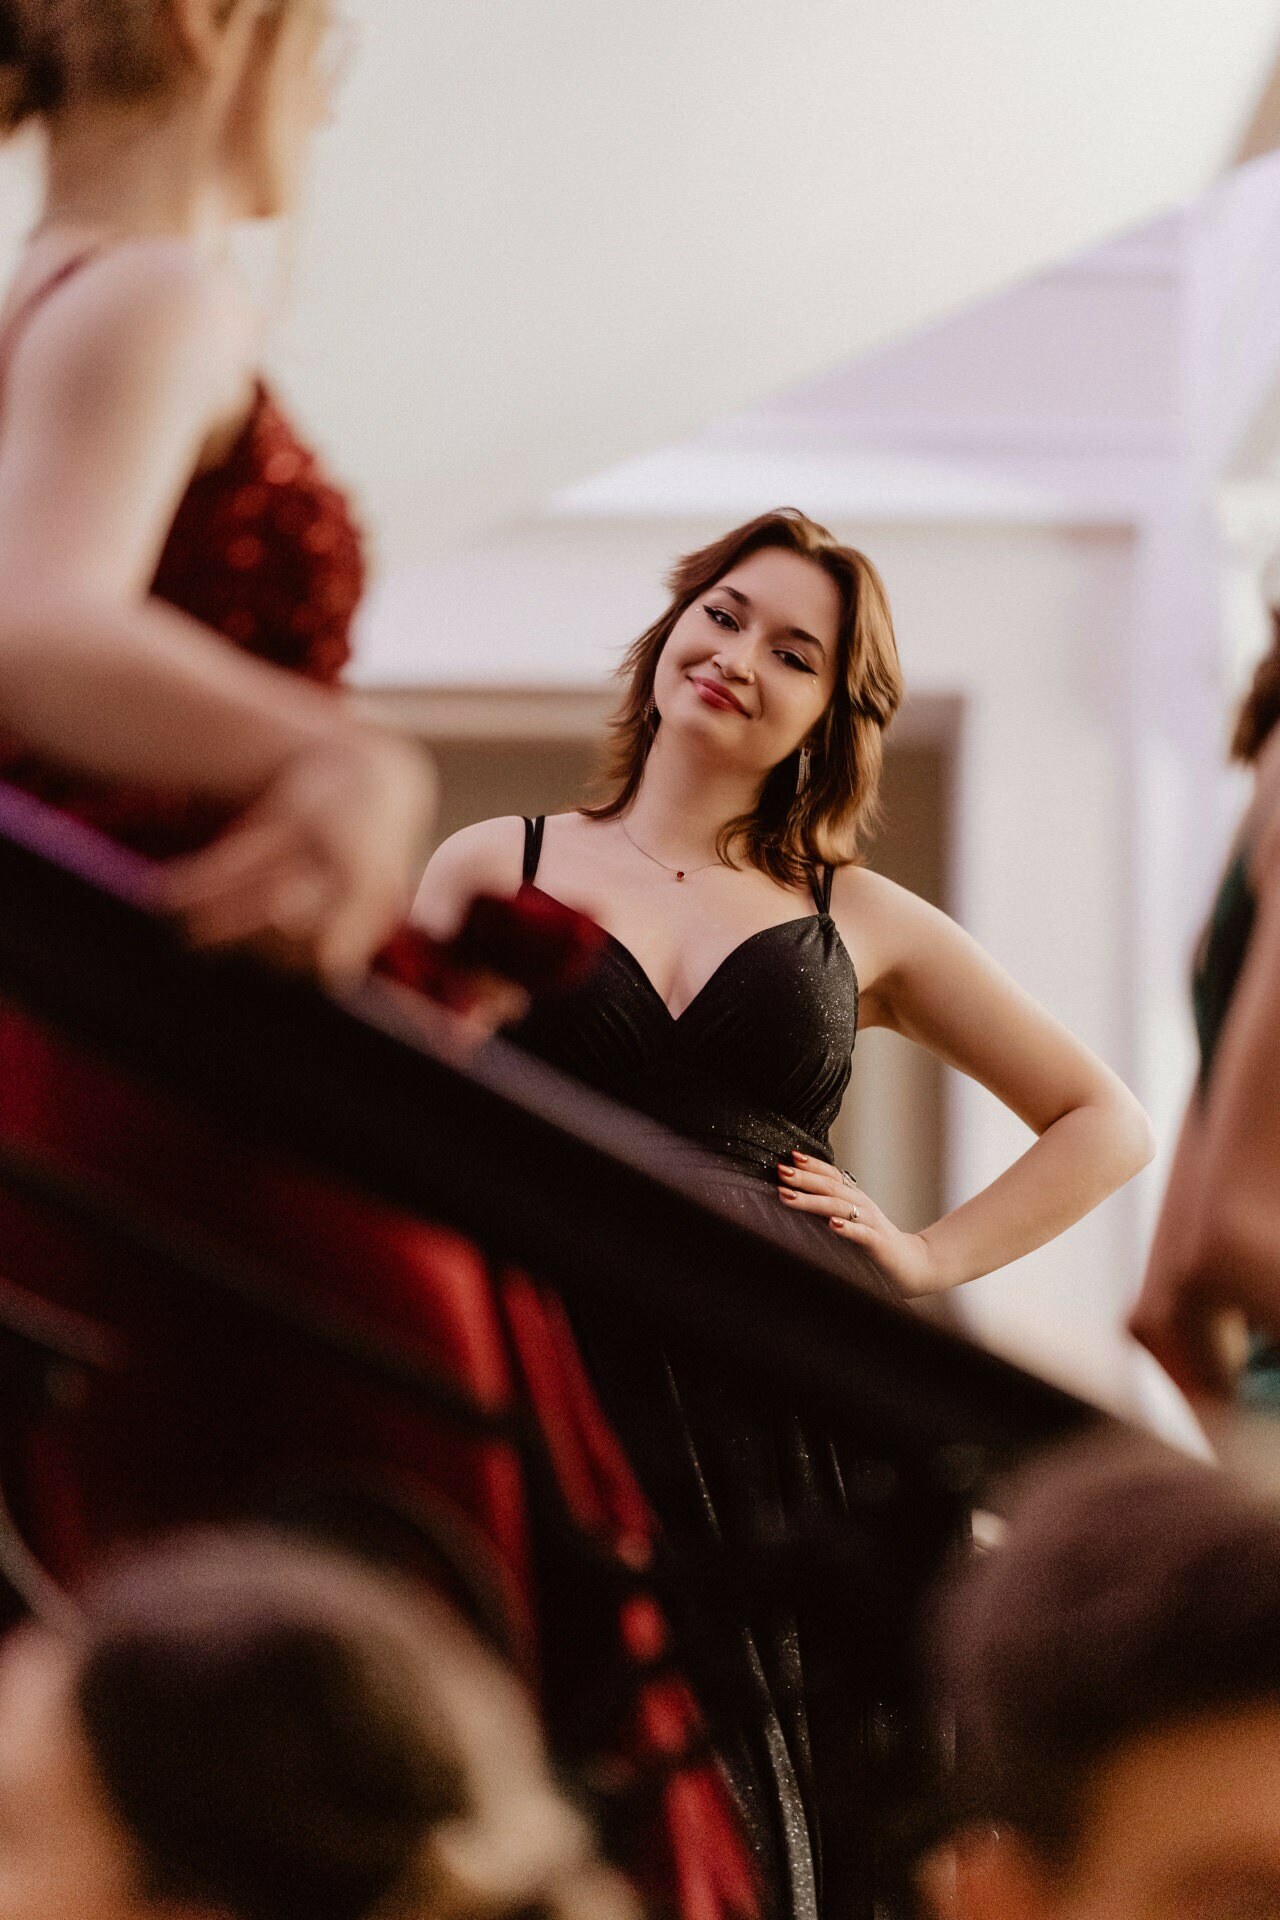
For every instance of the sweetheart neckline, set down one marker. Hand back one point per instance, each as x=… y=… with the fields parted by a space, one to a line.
x=620 y=946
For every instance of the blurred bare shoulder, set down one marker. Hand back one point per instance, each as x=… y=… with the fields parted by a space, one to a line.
x=485 y=858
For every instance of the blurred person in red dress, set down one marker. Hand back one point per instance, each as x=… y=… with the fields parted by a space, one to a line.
x=178 y=578
x=156 y=503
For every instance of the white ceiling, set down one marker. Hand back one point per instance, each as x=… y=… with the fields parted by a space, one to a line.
x=1059 y=403
x=551 y=234
x=546 y=236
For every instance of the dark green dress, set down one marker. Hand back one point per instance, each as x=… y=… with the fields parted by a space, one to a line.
x=1219 y=964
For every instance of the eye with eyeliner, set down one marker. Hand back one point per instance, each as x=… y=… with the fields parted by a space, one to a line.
x=723 y=619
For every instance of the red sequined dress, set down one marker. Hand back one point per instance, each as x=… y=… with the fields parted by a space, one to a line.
x=215 y=1411
x=263 y=550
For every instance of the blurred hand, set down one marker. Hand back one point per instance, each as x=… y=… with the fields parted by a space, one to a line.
x=1200 y=1340
x=321 y=869
x=493 y=1002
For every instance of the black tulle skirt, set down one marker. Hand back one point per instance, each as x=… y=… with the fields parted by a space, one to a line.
x=796 y=1555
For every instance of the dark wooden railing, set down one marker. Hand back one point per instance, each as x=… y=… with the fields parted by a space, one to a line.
x=375 y=1091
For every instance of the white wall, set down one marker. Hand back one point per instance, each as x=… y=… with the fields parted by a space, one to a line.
x=549 y=234
x=557 y=233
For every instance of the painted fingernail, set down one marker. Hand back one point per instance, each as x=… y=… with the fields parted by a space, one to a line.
x=785 y=1193
x=838 y=1225
x=787 y=1173
x=801 y=1159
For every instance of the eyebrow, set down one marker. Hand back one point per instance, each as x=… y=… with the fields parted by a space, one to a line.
x=796 y=633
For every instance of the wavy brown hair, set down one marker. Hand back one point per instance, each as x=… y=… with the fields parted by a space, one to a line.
x=1261 y=708
x=793 y=828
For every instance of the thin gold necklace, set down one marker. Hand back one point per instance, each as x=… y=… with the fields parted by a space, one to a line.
x=681 y=873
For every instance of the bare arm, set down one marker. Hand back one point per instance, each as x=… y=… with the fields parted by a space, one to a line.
x=1216 y=1255
x=925 y=978
x=484 y=858
x=1181 y=1315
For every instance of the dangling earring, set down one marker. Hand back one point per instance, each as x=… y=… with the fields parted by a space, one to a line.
x=802 y=768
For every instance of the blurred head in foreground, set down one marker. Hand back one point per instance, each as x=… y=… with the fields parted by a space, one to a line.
x=234 y=87
x=1114 y=1672
x=251 y=1730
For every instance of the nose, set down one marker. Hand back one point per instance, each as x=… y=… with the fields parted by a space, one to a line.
x=735 y=664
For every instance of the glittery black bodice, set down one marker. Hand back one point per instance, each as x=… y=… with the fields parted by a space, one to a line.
x=756 y=1064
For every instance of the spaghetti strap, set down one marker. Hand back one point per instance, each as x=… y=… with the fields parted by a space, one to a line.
x=26 y=309
x=820 y=888
x=533 y=832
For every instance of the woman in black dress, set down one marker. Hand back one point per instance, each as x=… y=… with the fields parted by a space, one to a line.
x=746 y=946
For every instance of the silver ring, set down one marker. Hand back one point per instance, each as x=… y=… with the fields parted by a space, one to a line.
x=847 y=1177
x=854 y=1214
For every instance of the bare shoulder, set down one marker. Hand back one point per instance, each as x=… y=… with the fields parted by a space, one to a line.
x=151 y=310
x=485 y=858
x=890 y=932
x=880 y=909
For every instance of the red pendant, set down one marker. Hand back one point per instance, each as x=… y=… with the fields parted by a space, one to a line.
x=679 y=873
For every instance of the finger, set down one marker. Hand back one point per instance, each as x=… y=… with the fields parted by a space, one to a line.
x=228 y=863
x=279 y=903
x=351 y=937
x=861 y=1231
x=808 y=1163
x=811 y=1180
x=823 y=1204
x=491 y=1010
x=496 y=1003
x=1191 y=1340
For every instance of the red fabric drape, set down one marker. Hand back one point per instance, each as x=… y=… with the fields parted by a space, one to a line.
x=214 y=1411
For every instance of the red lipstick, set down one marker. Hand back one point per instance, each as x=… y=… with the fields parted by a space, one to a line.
x=716 y=694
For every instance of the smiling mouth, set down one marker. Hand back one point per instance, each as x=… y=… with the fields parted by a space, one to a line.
x=716 y=694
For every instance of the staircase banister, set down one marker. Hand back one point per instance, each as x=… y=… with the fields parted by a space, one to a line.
x=375 y=1090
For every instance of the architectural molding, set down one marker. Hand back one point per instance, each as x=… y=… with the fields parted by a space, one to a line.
x=875 y=485
x=441 y=713
x=482 y=715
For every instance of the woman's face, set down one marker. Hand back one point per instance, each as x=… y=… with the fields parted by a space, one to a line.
x=750 y=666
x=63 y=1853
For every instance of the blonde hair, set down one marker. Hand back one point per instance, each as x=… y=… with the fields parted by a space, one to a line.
x=796 y=825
